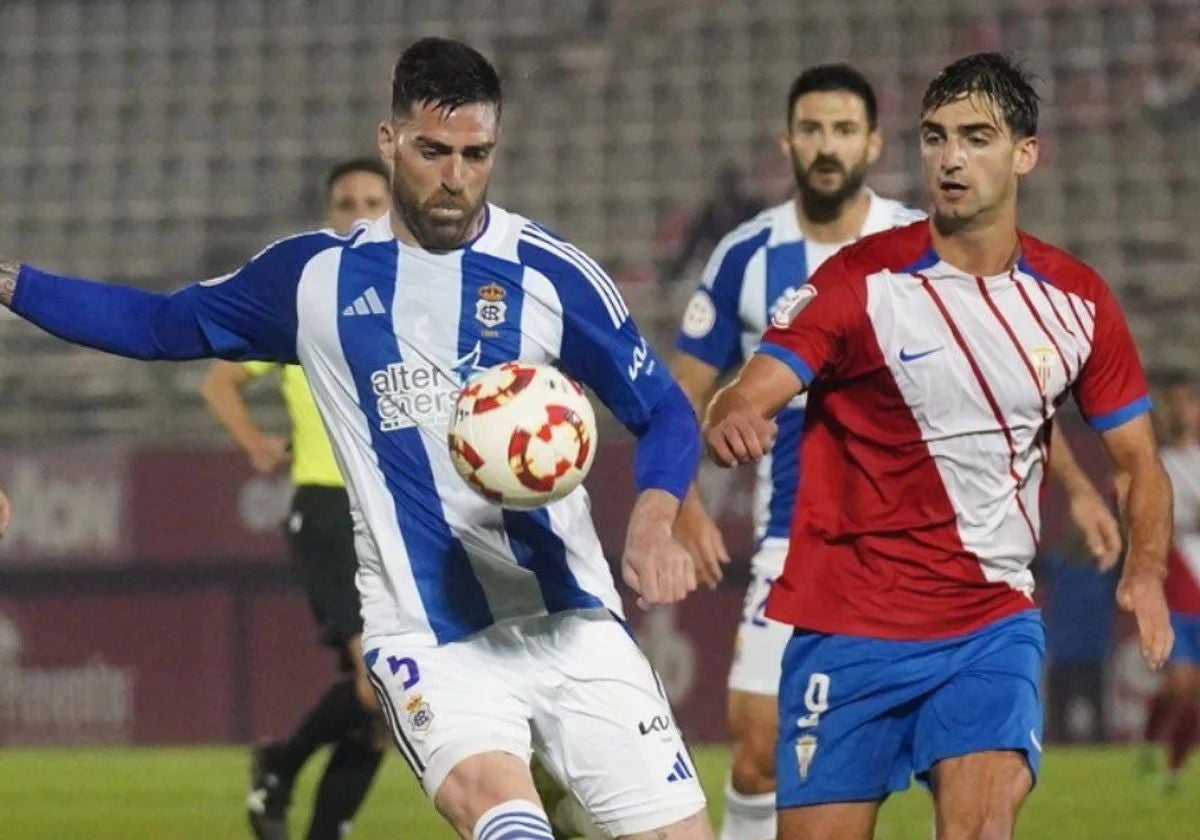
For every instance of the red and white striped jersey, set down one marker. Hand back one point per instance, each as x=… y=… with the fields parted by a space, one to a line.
x=1183 y=564
x=927 y=438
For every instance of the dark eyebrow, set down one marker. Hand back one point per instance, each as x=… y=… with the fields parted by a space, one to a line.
x=440 y=148
x=973 y=127
x=929 y=125
x=443 y=149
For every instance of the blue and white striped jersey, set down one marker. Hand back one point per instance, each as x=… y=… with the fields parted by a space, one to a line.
x=751 y=270
x=387 y=334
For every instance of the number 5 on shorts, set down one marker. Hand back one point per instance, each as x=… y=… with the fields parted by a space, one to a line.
x=816 y=700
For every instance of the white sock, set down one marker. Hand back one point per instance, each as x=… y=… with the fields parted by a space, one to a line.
x=516 y=819
x=748 y=816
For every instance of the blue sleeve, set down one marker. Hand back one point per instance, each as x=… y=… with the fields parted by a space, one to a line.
x=249 y=314
x=602 y=348
x=711 y=330
x=116 y=319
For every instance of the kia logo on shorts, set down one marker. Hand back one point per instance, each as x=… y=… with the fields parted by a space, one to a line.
x=658 y=723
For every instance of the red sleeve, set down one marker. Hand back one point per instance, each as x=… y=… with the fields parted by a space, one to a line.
x=810 y=330
x=1111 y=388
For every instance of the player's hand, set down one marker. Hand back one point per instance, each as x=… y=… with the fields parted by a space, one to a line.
x=5 y=514
x=656 y=565
x=699 y=534
x=1099 y=527
x=268 y=453
x=1142 y=595
x=740 y=437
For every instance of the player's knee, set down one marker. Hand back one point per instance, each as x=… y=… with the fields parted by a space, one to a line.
x=476 y=784
x=998 y=827
x=988 y=822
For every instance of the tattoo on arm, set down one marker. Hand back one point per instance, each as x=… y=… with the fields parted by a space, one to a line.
x=8 y=280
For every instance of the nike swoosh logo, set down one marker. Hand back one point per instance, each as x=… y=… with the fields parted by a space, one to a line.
x=905 y=356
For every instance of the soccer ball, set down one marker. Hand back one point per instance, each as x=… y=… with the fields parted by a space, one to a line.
x=522 y=435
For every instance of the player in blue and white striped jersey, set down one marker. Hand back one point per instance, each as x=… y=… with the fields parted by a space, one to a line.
x=831 y=139
x=488 y=632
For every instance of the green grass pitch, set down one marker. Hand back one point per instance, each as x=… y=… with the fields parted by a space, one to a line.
x=197 y=794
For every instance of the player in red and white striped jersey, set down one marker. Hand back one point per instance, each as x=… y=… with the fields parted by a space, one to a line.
x=1175 y=709
x=935 y=356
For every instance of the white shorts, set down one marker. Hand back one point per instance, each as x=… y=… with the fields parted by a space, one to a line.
x=572 y=687
x=758 y=648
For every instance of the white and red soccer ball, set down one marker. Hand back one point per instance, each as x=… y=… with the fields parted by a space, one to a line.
x=522 y=435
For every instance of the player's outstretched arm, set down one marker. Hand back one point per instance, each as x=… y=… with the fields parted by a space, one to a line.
x=249 y=314
x=1089 y=511
x=117 y=319
x=738 y=428
x=694 y=527
x=1145 y=491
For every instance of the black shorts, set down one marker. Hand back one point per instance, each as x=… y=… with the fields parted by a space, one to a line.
x=320 y=535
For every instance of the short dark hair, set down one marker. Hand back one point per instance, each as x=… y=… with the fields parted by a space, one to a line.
x=445 y=73
x=363 y=164
x=831 y=77
x=993 y=76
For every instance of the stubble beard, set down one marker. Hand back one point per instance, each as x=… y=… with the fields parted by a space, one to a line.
x=824 y=207
x=431 y=235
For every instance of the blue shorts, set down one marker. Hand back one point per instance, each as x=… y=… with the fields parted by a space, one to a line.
x=858 y=716
x=1187 y=638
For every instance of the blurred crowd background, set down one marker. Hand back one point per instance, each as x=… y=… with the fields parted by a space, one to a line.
x=164 y=141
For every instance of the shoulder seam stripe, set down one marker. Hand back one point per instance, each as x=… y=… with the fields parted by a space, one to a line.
x=608 y=294
x=585 y=262
x=741 y=234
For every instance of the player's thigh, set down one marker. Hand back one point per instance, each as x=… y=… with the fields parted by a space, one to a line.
x=754 y=721
x=991 y=699
x=604 y=726
x=837 y=821
x=447 y=703
x=978 y=796
x=847 y=709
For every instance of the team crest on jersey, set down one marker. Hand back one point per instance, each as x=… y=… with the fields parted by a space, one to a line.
x=420 y=716
x=806 y=749
x=1044 y=359
x=490 y=309
x=790 y=304
x=700 y=316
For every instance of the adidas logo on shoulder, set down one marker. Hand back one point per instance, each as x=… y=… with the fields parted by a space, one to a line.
x=368 y=303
